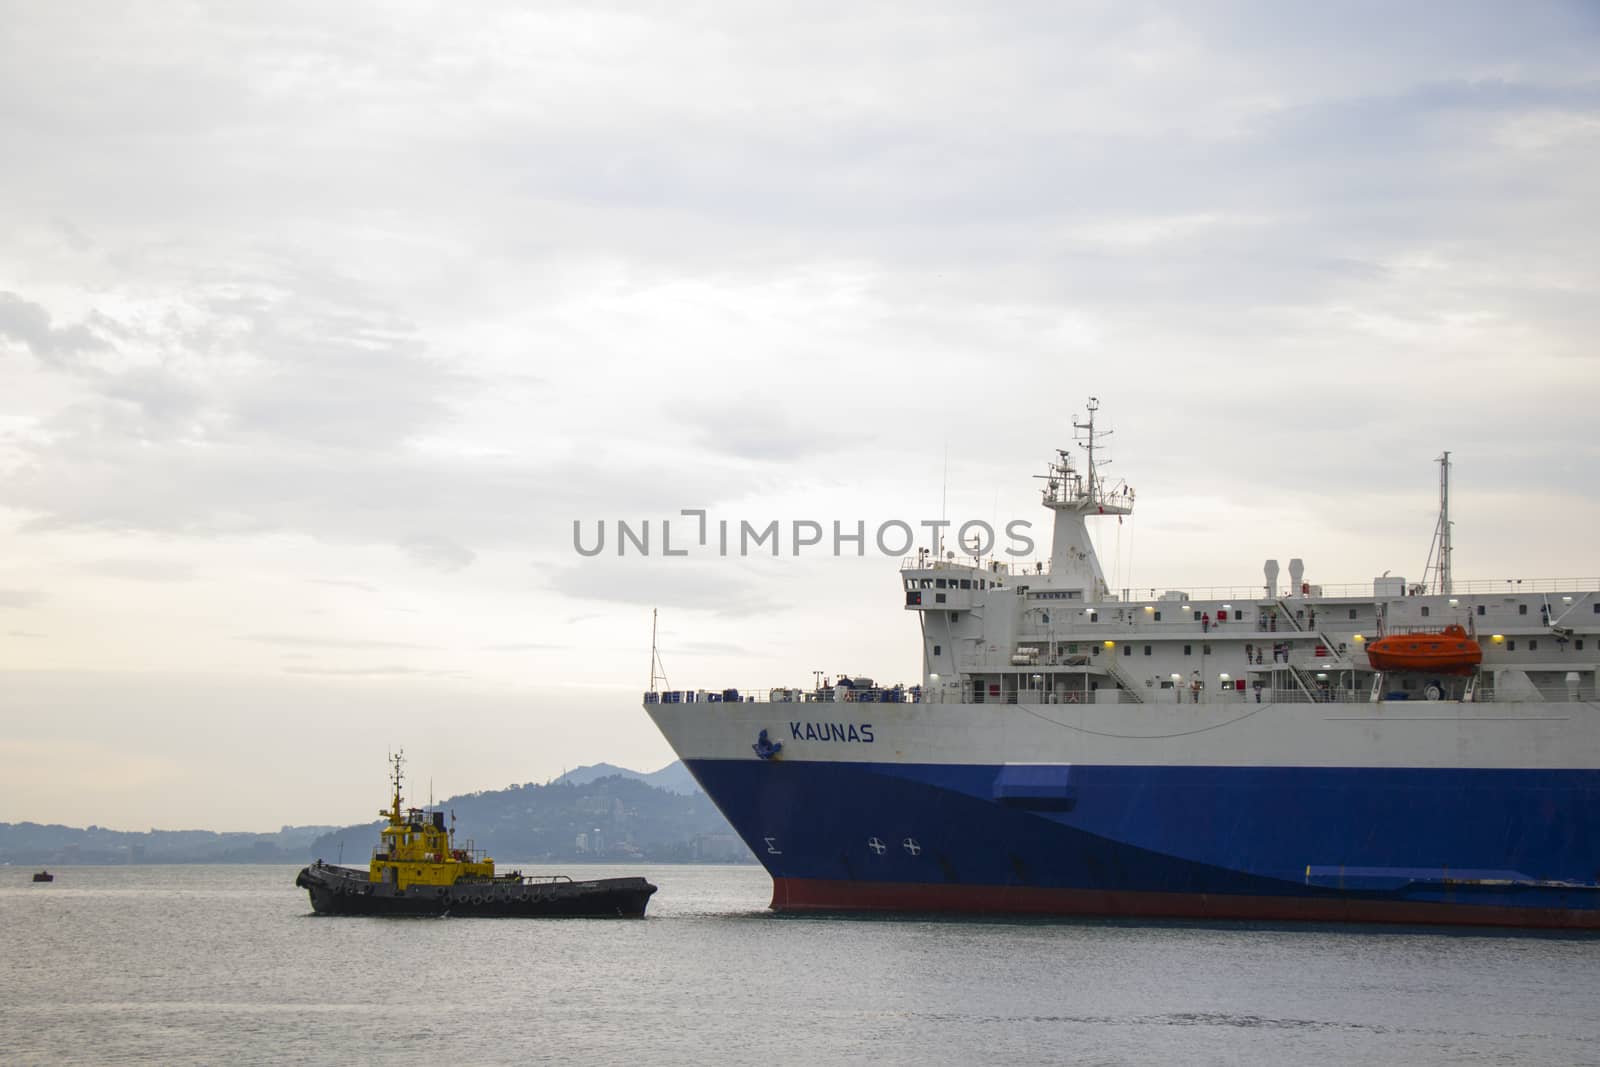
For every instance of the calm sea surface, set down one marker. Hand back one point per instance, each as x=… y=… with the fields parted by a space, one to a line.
x=227 y=965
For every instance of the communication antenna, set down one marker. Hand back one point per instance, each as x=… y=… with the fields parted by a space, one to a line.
x=1439 y=552
x=1090 y=436
x=657 y=669
x=944 y=504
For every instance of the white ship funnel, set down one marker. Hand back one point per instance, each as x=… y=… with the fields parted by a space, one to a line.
x=1271 y=571
x=1297 y=572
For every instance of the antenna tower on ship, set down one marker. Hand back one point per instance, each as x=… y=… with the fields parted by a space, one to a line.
x=1439 y=551
x=1087 y=441
x=658 y=671
x=1075 y=496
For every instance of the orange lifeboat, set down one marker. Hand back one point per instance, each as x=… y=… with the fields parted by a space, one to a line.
x=1448 y=651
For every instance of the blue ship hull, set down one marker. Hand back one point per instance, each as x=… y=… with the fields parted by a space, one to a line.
x=1472 y=846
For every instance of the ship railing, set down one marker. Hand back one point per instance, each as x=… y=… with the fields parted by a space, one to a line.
x=788 y=695
x=1003 y=568
x=1257 y=594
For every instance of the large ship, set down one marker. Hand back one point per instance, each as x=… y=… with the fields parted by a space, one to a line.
x=1210 y=754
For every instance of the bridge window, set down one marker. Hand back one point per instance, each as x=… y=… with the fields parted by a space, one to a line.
x=938 y=583
x=966 y=583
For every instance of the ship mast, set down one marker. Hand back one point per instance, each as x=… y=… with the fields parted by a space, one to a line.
x=397 y=758
x=1441 y=534
x=657 y=669
x=1444 y=524
x=1088 y=443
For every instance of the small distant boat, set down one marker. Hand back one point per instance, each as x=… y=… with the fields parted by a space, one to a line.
x=44 y=876
x=1448 y=651
x=418 y=870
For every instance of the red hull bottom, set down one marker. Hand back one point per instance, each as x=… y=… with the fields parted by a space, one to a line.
x=811 y=895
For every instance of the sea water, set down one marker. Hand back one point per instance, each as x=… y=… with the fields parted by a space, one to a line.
x=227 y=964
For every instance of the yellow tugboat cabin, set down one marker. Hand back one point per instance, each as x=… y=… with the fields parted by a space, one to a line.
x=417 y=849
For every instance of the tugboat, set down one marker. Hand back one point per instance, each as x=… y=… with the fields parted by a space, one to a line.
x=418 y=870
x=44 y=876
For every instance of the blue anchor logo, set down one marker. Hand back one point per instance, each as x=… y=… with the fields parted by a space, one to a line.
x=766 y=748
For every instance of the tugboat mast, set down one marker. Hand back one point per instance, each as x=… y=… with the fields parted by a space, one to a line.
x=398 y=759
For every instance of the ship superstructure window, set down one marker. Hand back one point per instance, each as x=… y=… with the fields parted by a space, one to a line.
x=1424 y=611
x=1480 y=609
x=937 y=650
x=966 y=583
x=1147 y=650
x=1127 y=650
x=1522 y=609
x=1352 y=613
x=1094 y=616
x=938 y=583
x=1511 y=646
x=1577 y=646
x=1158 y=616
x=1188 y=650
x=1533 y=645
x=938 y=598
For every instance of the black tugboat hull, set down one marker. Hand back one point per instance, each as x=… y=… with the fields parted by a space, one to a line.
x=346 y=891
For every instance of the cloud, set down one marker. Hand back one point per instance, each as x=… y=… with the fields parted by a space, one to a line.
x=300 y=641
x=721 y=587
x=20 y=598
x=386 y=671
x=525 y=646
x=30 y=324
x=440 y=553
x=345 y=583
x=24 y=634
x=141 y=570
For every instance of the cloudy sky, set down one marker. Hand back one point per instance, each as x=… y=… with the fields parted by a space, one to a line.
x=320 y=325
